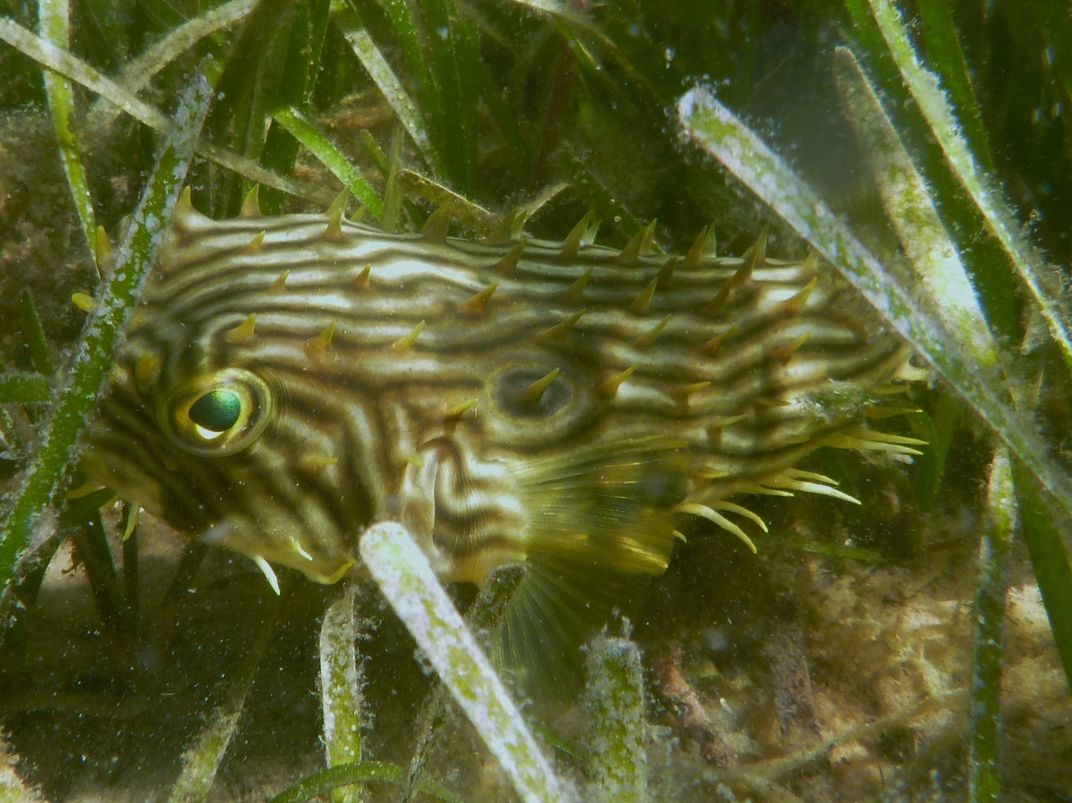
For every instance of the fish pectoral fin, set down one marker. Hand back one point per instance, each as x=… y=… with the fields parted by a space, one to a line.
x=601 y=523
x=608 y=506
x=549 y=617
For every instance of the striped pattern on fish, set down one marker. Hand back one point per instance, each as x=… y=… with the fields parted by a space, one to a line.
x=288 y=380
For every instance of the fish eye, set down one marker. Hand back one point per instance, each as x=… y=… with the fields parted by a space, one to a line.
x=217 y=414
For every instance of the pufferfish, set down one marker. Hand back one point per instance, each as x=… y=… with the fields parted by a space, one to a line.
x=289 y=380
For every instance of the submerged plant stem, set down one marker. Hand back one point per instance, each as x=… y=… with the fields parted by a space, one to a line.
x=615 y=703
x=340 y=688
x=404 y=576
x=331 y=157
x=22 y=387
x=716 y=129
x=202 y=761
x=984 y=718
x=102 y=332
x=61 y=61
x=363 y=772
x=54 y=22
x=907 y=200
x=942 y=123
x=34 y=332
x=357 y=36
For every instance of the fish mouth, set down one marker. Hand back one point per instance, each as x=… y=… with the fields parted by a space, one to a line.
x=267 y=532
x=317 y=559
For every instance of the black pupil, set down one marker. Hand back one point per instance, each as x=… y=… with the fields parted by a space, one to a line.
x=217 y=411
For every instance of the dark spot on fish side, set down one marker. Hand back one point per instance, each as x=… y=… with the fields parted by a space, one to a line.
x=513 y=397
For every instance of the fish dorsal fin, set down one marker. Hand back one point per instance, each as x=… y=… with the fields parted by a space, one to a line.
x=601 y=523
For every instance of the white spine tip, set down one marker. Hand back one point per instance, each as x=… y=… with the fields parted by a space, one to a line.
x=268 y=572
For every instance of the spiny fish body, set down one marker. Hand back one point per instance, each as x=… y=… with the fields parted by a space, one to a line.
x=288 y=380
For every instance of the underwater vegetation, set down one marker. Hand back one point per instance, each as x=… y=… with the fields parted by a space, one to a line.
x=917 y=646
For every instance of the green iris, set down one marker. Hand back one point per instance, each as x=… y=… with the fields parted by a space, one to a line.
x=217 y=411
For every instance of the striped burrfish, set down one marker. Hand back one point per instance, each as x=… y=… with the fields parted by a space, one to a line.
x=286 y=381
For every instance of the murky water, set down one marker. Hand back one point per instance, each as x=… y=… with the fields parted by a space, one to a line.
x=836 y=663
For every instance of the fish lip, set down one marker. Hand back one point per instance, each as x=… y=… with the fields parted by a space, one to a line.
x=283 y=550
